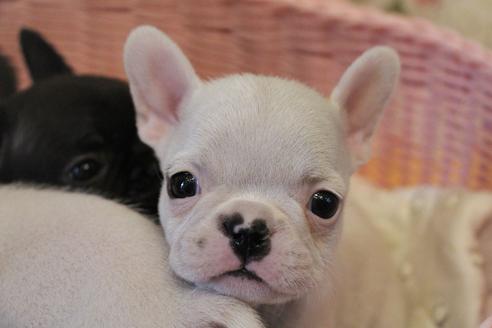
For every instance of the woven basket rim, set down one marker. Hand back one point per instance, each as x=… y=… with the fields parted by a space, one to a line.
x=359 y=14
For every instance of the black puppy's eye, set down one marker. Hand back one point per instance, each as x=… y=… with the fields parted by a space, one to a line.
x=84 y=170
x=182 y=185
x=324 y=204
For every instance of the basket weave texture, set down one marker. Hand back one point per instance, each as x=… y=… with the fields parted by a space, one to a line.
x=437 y=130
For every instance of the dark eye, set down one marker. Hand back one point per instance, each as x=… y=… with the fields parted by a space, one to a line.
x=84 y=170
x=182 y=185
x=324 y=204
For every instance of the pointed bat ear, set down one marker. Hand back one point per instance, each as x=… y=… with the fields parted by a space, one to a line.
x=41 y=58
x=160 y=78
x=361 y=95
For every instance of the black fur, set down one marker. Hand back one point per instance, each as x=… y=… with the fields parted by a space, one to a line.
x=41 y=58
x=8 y=79
x=65 y=122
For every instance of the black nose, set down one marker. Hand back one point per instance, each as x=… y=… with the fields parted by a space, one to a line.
x=249 y=244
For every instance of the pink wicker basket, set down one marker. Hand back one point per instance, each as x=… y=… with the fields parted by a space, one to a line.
x=438 y=129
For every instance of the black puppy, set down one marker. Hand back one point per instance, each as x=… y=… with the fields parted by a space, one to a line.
x=75 y=131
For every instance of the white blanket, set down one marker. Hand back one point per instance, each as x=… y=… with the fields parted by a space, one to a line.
x=413 y=258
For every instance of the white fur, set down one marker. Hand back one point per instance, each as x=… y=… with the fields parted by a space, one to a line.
x=487 y=323
x=155 y=85
x=74 y=260
x=363 y=91
x=265 y=142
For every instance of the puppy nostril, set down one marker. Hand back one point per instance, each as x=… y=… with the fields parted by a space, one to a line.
x=229 y=224
x=259 y=227
x=240 y=243
x=240 y=238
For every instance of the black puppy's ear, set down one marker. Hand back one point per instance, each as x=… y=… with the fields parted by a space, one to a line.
x=8 y=79
x=42 y=59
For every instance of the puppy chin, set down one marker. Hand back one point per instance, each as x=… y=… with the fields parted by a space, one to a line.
x=224 y=277
x=247 y=290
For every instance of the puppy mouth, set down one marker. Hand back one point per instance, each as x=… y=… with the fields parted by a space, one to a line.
x=244 y=273
x=247 y=286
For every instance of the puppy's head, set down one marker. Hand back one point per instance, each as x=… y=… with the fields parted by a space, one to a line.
x=75 y=131
x=256 y=168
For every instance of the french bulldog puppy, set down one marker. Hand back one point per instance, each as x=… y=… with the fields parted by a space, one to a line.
x=256 y=171
x=75 y=131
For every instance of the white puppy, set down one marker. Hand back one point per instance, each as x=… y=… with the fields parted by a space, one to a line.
x=256 y=169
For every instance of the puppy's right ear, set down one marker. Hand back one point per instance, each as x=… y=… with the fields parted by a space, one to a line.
x=41 y=58
x=160 y=77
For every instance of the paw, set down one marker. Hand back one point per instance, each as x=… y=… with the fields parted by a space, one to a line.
x=216 y=311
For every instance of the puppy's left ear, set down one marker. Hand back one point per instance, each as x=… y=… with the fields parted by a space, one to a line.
x=160 y=77
x=361 y=95
x=41 y=57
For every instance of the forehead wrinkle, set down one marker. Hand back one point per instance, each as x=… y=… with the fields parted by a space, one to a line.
x=181 y=162
x=329 y=179
x=245 y=164
x=237 y=133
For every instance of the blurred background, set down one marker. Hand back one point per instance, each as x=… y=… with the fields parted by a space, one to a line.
x=438 y=128
x=471 y=18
